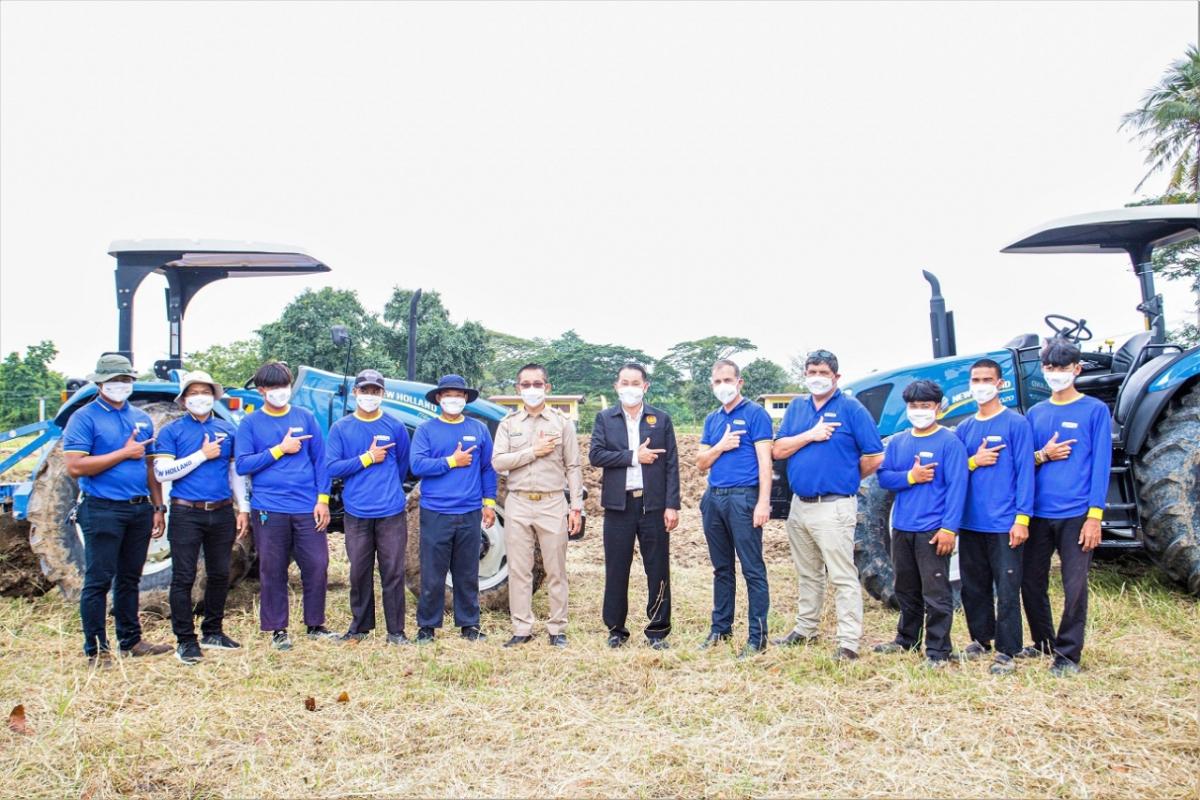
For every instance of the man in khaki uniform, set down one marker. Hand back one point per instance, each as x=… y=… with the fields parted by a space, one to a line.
x=537 y=448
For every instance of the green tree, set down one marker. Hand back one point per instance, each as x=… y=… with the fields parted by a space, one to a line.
x=1168 y=124
x=24 y=380
x=692 y=360
x=301 y=334
x=763 y=376
x=509 y=353
x=442 y=346
x=231 y=364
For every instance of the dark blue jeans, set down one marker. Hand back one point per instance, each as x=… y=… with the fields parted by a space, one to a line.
x=991 y=589
x=116 y=538
x=450 y=543
x=191 y=531
x=728 y=516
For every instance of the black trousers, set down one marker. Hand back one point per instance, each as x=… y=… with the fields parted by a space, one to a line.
x=191 y=530
x=116 y=538
x=1046 y=536
x=648 y=529
x=991 y=589
x=923 y=591
x=386 y=537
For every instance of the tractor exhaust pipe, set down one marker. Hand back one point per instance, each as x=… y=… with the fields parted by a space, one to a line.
x=412 y=335
x=941 y=321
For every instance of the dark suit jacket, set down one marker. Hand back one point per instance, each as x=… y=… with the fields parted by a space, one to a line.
x=611 y=450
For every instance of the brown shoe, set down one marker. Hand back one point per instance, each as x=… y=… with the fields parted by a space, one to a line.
x=144 y=648
x=100 y=660
x=845 y=654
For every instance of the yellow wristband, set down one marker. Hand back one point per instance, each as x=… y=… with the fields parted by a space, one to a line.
x=911 y=480
x=277 y=451
x=971 y=465
x=366 y=459
x=450 y=461
x=1096 y=513
x=1023 y=519
x=947 y=530
x=489 y=503
x=323 y=498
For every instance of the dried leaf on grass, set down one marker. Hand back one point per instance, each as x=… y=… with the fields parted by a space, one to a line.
x=310 y=703
x=16 y=721
x=343 y=698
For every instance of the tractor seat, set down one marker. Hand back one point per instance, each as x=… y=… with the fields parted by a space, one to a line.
x=1127 y=358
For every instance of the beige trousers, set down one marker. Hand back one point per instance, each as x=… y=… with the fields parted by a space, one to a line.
x=822 y=540
x=544 y=522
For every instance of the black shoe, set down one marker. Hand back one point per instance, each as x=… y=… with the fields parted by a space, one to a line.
x=217 y=641
x=715 y=639
x=752 y=649
x=281 y=641
x=321 y=632
x=101 y=659
x=1063 y=667
x=425 y=635
x=472 y=633
x=1002 y=664
x=558 y=640
x=351 y=637
x=188 y=653
x=517 y=640
x=935 y=663
x=974 y=651
x=1030 y=652
x=658 y=644
x=887 y=648
x=397 y=638
x=793 y=639
x=845 y=654
x=616 y=640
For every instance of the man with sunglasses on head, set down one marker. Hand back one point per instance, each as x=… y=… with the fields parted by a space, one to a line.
x=537 y=448
x=831 y=443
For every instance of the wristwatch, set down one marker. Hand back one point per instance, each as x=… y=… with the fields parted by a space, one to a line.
x=160 y=509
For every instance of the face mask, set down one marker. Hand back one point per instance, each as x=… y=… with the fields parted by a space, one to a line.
x=819 y=384
x=983 y=392
x=631 y=395
x=1058 y=380
x=921 y=417
x=369 y=403
x=199 y=404
x=279 y=397
x=453 y=406
x=533 y=397
x=725 y=392
x=117 y=392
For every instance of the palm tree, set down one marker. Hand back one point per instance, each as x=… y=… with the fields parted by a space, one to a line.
x=1168 y=122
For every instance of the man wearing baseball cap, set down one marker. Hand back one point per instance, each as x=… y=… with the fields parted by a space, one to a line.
x=106 y=444
x=452 y=455
x=195 y=454
x=368 y=450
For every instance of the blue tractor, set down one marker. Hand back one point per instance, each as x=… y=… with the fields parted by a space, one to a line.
x=1151 y=386
x=47 y=502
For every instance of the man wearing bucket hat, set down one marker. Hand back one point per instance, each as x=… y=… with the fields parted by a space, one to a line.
x=368 y=450
x=209 y=507
x=106 y=444
x=452 y=454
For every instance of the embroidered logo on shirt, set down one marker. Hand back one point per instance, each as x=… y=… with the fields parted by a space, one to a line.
x=994 y=439
x=1069 y=424
x=296 y=429
x=380 y=437
x=739 y=422
x=926 y=454
x=830 y=414
x=651 y=419
x=468 y=438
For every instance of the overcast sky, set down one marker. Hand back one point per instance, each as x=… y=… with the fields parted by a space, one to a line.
x=641 y=173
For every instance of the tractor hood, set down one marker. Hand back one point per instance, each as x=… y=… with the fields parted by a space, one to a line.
x=1129 y=230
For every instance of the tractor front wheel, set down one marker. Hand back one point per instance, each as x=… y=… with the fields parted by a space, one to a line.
x=872 y=542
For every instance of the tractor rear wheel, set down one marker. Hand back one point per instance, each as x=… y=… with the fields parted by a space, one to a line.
x=872 y=542
x=57 y=540
x=1168 y=476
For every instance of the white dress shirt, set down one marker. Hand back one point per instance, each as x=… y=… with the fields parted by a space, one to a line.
x=633 y=475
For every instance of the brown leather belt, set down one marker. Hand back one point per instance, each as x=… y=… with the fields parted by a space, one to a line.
x=206 y=506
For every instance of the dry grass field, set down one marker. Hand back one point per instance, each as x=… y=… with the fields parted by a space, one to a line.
x=457 y=719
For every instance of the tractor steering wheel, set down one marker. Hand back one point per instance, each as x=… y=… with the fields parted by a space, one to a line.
x=1075 y=330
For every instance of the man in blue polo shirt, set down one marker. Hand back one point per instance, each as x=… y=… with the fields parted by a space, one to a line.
x=106 y=445
x=369 y=451
x=735 y=450
x=195 y=454
x=452 y=455
x=831 y=444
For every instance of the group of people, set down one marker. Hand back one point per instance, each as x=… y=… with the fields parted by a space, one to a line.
x=1011 y=490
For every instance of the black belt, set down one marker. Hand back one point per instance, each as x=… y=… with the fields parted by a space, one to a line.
x=733 y=490
x=133 y=501
x=203 y=506
x=822 y=498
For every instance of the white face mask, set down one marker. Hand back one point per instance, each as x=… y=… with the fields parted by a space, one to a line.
x=1058 y=381
x=533 y=397
x=116 y=391
x=631 y=395
x=199 y=404
x=369 y=403
x=984 y=392
x=725 y=392
x=279 y=397
x=819 y=385
x=453 y=406
x=921 y=417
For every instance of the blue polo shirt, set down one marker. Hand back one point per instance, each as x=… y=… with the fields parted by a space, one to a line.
x=829 y=467
x=737 y=467
x=370 y=490
x=209 y=482
x=282 y=483
x=1078 y=484
x=446 y=489
x=97 y=429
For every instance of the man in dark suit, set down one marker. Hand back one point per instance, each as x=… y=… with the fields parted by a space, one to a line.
x=635 y=445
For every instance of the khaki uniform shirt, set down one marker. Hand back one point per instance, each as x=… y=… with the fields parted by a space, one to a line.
x=512 y=453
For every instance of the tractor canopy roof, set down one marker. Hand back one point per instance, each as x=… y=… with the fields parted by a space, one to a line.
x=234 y=259
x=1131 y=230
